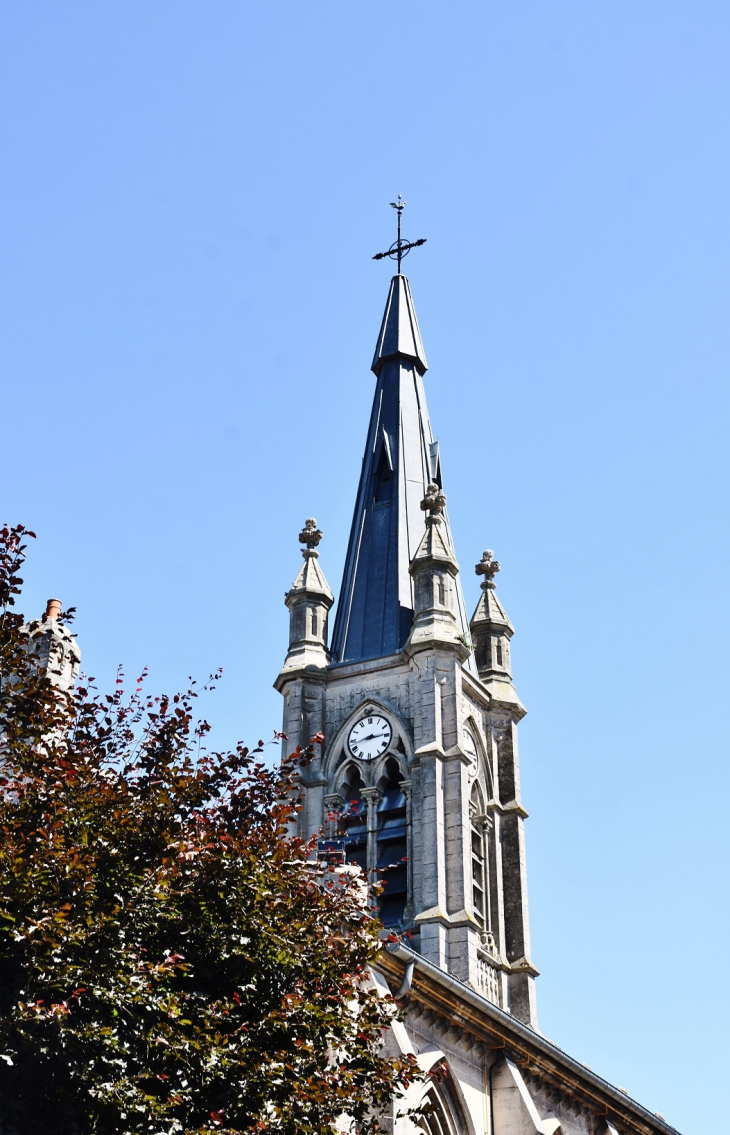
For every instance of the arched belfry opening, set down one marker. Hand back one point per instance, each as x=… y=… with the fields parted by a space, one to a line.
x=373 y=824
x=392 y=846
x=354 y=819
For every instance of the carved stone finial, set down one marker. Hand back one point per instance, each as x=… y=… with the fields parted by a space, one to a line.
x=310 y=535
x=488 y=567
x=434 y=501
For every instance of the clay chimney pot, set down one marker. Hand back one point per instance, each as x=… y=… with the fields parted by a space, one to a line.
x=53 y=609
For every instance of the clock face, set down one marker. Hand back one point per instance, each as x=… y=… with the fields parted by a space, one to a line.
x=370 y=737
x=469 y=746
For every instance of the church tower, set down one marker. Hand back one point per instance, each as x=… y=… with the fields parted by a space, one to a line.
x=418 y=774
x=417 y=781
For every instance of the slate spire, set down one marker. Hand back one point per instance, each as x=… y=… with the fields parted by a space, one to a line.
x=375 y=607
x=399 y=332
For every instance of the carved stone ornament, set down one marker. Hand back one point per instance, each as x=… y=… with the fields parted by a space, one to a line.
x=434 y=501
x=310 y=534
x=487 y=566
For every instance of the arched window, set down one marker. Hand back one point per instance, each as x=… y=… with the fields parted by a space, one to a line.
x=479 y=866
x=354 y=820
x=392 y=846
x=436 y=1119
x=441 y=1112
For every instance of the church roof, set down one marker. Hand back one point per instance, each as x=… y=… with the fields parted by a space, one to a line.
x=375 y=606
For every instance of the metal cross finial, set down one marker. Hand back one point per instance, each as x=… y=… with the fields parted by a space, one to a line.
x=310 y=535
x=400 y=247
x=488 y=567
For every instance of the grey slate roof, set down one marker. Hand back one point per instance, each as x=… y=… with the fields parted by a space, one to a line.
x=375 y=606
x=399 y=331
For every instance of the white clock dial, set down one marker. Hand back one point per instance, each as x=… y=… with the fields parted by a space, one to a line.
x=469 y=745
x=369 y=737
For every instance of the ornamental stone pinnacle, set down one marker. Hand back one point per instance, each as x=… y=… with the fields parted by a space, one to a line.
x=309 y=600
x=434 y=502
x=310 y=535
x=488 y=567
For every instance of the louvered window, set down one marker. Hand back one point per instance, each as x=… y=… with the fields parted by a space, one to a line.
x=354 y=824
x=392 y=850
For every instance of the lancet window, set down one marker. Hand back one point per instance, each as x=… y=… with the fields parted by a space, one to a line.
x=374 y=826
x=437 y=1116
x=354 y=821
x=392 y=847
x=479 y=859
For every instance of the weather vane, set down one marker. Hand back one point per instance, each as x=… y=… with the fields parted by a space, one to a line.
x=400 y=247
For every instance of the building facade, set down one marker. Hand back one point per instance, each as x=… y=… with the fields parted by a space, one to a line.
x=417 y=780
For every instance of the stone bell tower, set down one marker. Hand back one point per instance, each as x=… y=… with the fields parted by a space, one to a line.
x=417 y=781
x=418 y=774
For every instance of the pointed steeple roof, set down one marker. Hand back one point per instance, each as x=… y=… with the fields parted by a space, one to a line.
x=375 y=607
x=489 y=611
x=310 y=578
x=399 y=332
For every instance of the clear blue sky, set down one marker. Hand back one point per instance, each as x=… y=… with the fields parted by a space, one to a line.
x=191 y=196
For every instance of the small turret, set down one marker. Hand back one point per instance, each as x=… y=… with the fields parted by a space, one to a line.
x=54 y=648
x=309 y=600
x=491 y=631
x=434 y=570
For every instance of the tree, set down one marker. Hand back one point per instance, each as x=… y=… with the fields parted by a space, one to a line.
x=172 y=959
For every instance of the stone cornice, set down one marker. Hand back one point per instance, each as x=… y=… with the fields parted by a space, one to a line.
x=298 y=673
x=355 y=669
x=438 y=644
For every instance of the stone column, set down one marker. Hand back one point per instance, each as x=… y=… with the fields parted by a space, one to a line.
x=372 y=797
x=332 y=808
